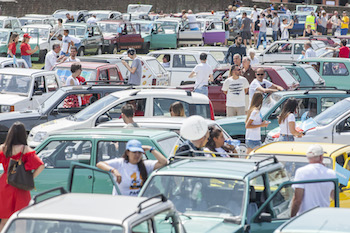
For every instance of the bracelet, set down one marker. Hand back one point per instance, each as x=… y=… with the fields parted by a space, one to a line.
x=150 y=150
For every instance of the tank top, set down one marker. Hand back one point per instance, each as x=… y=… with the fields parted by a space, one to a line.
x=76 y=81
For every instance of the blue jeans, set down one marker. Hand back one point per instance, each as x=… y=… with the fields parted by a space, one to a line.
x=28 y=60
x=274 y=35
x=343 y=31
x=261 y=34
x=63 y=53
x=77 y=45
x=252 y=143
x=286 y=138
x=202 y=90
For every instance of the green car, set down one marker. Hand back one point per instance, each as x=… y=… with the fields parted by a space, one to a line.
x=335 y=71
x=312 y=102
x=5 y=35
x=157 y=35
x=90 y=146
x=227 y=195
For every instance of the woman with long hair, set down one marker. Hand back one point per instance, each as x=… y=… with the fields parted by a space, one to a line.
x=11 y=52
x=26 y=50
x=286 y=120
x=13 y=199
x=216 y=143
x=254 y=122
x=131 y=171
x=177 y=109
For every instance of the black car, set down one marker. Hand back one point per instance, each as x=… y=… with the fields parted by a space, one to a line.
x=64 y=102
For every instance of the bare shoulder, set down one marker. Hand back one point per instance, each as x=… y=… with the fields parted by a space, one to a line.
x=27 y=149
x=2 y=147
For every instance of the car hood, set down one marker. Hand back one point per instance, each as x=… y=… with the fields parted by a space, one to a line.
x=233 y=125
x=109 y=36
x=206 y=225
x=55 y=125
x=11 y=99
x=19 y=115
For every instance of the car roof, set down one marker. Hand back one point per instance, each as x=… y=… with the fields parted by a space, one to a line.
x=48 y=26
x=178 y=51
x=336 y=59
x=91 y=88
x=235 y=168
x=119 y=56
x=224 y=49
x=86 y=208
x=320 y=91
x=22 y=71
x=7 y=17
x=76 y=24
x=298 y=148
x=85 y=65
x=113 y=21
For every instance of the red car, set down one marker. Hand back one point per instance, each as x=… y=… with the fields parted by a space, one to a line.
x=275 y=74
x=119 y=34
x=92 y=71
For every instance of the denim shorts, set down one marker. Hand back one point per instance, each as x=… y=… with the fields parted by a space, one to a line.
x=202 y=90
x=253 y=143
x=286 y=138
x=28 y=60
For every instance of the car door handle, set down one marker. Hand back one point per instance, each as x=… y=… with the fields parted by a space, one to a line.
x=90 y=177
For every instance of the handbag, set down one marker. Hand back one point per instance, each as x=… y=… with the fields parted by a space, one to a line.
x=18 y=177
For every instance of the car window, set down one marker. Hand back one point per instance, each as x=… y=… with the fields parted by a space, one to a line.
x=298 y=48
x=295 y=73
x=39 y=84
x=161 y=106
x=340 y=160
x=281 y=48
x=267 y=76
x=51 y=83
x=130 y=29
x=96 y=31
x=103 y=75
x=8 y=24
x=156 y=67
x=143 y=227
x=335 y=69
x=15 y=23
x=212 y=62
x=107 y=150
x=287 y=77
x=315 y=76
x=307 y=107
x=327 y=102
x=344 y=126
x=78 y=101
x=60 y=154
x=139 y=107
x=168 y=144
x=184 y=61
x=257 y=195
x=113 y=74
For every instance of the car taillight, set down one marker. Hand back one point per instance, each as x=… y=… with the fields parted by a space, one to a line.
x=154 y=82
x=277 y=135
x=212 y=116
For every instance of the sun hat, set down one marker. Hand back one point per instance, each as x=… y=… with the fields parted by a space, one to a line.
x=314 y=150
x=134 y=145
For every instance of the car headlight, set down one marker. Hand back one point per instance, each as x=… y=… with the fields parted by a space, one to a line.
x=7 y=108
x=39 y=136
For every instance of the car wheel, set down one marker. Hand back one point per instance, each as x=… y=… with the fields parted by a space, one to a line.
x=81 y=52
x=99 y=50
x=145 y=49
x=42 y=55
x=115 y=49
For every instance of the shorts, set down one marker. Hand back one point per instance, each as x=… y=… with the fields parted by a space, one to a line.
x=256 y=32
x=235 y=111
x=227 y=35
x=246 y=35
x=63 y=53
x=286 y=138
x=319 y=29
x=203 y=90
x=28 y=60
x=252 y=143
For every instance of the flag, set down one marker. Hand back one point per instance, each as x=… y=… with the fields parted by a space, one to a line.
x=343 y=174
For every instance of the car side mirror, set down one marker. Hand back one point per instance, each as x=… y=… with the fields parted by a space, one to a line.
x=38 y=93
x=265 y=217
x=102 y=118
x=54 y=112
x=339 y=128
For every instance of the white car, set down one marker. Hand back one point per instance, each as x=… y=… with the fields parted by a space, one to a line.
x=6 y=62
x=147 y=102
x=219 y=53
x=106 y=14
x=25 y=89
x=37 y=19
x=182 y=63
x=289 y=50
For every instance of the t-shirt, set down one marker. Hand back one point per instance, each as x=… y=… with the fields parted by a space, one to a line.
x=246 y=24
x=254 y=61
x=202 y=70
x=249 y=74
x=12 y=47
x=284 y=32
x=334 y=19
x=275 y=22
x=256 y=25
x=24 y=47
x=344 y=52
x=284 y=126
x=222 y=152
x=135 y=78
x=346 y=22
x=131 y=179
x=324 y=21
x=192 y=21
x=233 y=49
x=310 y=53
x=131 y=125
x=91 y=20
x=76 y=81
x=72 y=60
x=235 y=91
x=254 y=15
x=254 y=134
x=65 y=43
x=315 y=194
x=58 y=29
x=255 y=84
x=263 y=25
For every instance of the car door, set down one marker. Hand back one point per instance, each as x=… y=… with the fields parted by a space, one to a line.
x=97 y=39
x=40 y=92
x=188 y=36
x=90 y=46
x=160 y=38
x=214 y=33
x=281 y=51
x=341 y=131
x=277 y=208
x=182 y=66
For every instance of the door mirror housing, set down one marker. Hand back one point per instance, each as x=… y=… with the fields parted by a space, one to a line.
x=38 y=93
x=101 y=119
x=339 y=128
x=265 y=217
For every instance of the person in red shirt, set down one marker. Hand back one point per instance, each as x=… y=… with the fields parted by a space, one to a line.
x=81 y=80
x=344 y=51
x=26 y=50
x=11 y=52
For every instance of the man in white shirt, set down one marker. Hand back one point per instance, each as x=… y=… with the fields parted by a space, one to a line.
x=52 y=58
x=192 y=20
x=308 y=196
x=92 y=20
x=203 y=73
x=58 y=28
x=73 y=55
x=235 y=87
x=284 y=28
x=309 y=52
x=262 y=85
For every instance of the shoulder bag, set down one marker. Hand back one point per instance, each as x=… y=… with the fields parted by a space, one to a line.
x=18 y=177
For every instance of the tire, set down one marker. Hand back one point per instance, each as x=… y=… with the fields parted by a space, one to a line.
x=99 y=51
x=145 y=48
x=81 y=51
x=113 y=49
x=42 y=55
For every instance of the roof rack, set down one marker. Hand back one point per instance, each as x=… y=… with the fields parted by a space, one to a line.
x=105 y=82
x=282 y=61
x=257 y=164
x=35 y=198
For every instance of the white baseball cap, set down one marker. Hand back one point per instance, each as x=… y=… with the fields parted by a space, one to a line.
x=314 y=150
x=194 y=128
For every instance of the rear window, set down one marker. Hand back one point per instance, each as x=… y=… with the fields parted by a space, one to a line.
x=156 y=66
x=287 y=77
x=168 y=144
x=314 y=75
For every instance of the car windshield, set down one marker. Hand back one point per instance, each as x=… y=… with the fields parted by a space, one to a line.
x=4 y=37
x=15 y=83
x=156 y=66
x=146 y=27
x=109 y=27
x=51 y=100
x=42 y=33
x=43 y=225
x=101 y=16
x=212 y=62
x=332 y=113
x=77 y=30
x=287 y=77
x=94 y=108
x=200 y=196
x=314 y=75
x=169 y=27
x=64 y=72
x=269 y=102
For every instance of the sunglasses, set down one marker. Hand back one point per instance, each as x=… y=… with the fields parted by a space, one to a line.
x=260 y=74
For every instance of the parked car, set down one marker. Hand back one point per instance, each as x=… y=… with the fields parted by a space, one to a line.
x=68 y=212
x=56 y=106
x=37 y=19
x=335 y=71
x=182 y=63
x=329 y=41
x=9 y=22
x=6 y=62
x=213 y=32
x=90 y=35
x=219 y=53
x=79 y=15
x=106 y=14
x=91 y=71
x=255 y=192
x=312 y=102
x=289 y=50
x=153 y=73
x=327 y=218
x=5 y=35
x=137 y=11
x=25 y=89
x=118 y=35
x=90 y=146
x=147 y=102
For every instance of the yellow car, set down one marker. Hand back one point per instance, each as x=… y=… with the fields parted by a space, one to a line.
x=293 y=156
